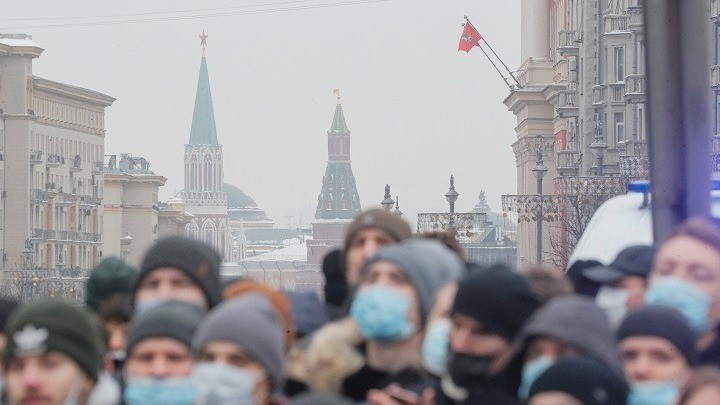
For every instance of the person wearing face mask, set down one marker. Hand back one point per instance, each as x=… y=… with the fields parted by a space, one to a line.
x=53 y=354
x=567 y=325
x=489 y=309
x=686 y=276
x=658 y=350
x=240 y=349
x=159 y=364
x=395 y=296
x=623 y=282
x=178 y=268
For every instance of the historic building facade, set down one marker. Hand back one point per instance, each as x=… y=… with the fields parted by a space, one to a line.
x=51 y=158
x=338 y=201
x=203 y=194
x=581 y=103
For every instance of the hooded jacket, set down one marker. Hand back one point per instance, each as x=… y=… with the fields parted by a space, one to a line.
x=574 y=320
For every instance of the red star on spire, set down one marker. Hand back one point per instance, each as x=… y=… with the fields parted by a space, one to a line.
x=203 y=40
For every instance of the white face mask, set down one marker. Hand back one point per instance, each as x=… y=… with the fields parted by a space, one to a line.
x=613 y=301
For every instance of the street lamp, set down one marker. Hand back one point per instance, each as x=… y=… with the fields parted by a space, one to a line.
x=387 y=203
x=452 y=195
x=539 y=171
x=599 y=146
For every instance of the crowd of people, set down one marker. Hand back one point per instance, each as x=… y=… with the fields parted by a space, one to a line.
x=403 y=319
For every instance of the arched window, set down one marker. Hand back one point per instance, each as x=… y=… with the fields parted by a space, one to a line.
x=208 y=174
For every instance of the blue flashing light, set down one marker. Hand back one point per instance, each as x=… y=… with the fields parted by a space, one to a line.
x=715 y=184
x=639 y=186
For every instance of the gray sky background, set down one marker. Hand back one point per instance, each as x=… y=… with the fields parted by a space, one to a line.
x=418 y=110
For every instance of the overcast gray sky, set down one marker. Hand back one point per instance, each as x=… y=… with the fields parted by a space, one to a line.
x=418 y=110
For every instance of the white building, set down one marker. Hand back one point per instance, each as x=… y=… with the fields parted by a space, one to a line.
x=51 y=147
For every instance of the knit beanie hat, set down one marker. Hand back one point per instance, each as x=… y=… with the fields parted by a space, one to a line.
x=500 y=299
x=111 y=276
x=175 y=320
x=662 y=322
x=250 y=322
x=396 y=227
x=197 y=260
x=280 y=302
x=428 y=264
x=53 y=325
x=591 y=382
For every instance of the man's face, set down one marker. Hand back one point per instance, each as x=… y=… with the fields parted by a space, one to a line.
x=169 y=283
x=691 y=260
x=231 y=354
x=365 y=242
x=392 y=276
x=116 y=333
x=468 y=336
x=159 y=358
x=48 y=378
x=651 y=358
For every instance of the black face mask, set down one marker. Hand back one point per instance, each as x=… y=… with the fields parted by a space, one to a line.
x=469 y=371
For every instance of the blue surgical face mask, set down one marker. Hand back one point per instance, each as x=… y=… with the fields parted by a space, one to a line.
x=530 y=372
x=676 y=293
x=222 y=384
x=613 y=301
x=653 y=393
x=167 y=391
x=382 y=314
x=435 y=346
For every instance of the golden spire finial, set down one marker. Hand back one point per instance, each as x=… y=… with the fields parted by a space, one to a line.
x=203 y=41
x=336 y=92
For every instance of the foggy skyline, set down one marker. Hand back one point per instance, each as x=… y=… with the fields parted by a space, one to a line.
x=418 y=110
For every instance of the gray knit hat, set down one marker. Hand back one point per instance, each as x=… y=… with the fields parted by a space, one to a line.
x=175 y=320
x=427 y=263
x=250 y=322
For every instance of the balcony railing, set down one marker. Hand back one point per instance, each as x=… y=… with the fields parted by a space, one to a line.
x=568 y=43
x=598 y=95
x=635 y=18
x=36 y=156
x=633 y=148
x=568 y=103
x=38 y=196
x=635 y=88
x=464 y=222
x=568 y=162
x=616 y=23
x=54 y=160
x=64 y=199
x=617 y=93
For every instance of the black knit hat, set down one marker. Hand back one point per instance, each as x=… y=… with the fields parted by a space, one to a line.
x=390 y=223
x=53 y=325
x=196 y=259
x=175 y=320
x=111 y=276
x=632 y=261
x=662 y=322
x=500 y=299
x=591 y=382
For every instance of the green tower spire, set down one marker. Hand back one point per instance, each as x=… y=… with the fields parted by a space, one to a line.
x=203 y=130
x=339 y=125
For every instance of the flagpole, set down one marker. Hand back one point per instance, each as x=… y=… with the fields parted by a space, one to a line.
x=496 y=55
x=495 y=66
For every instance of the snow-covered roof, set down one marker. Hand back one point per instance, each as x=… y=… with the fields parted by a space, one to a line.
x=292 y=253
x=18 y=41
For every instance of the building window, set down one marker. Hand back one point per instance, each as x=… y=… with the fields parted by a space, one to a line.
x=619 y=127
x=640 y=124
x=619 y=64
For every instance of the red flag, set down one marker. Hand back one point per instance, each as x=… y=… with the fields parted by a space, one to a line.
x=469 y=39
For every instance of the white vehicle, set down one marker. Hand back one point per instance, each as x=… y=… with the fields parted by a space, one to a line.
x=620 y=222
